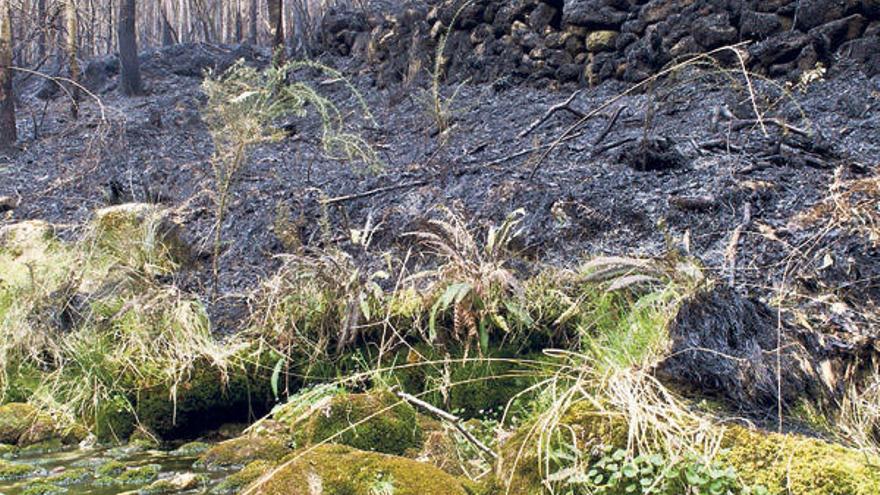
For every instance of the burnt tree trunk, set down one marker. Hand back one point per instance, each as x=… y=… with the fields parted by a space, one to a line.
x=8 y=134
x=72 y=49
x=128 y=52
x=41 y=36
x=276 y=19
x=252 y=22
x=169 y=37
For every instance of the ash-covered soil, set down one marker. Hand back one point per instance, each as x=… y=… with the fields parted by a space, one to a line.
x=682 y=158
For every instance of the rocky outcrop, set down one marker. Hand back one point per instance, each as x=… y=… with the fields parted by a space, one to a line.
x=588 y=41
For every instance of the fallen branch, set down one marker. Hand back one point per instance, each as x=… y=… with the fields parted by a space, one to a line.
x=454 y=420
x=566 y=105
x=737 y=125
x=733 y=247
x=372 y=192
x=614 y=116
x=693 y=203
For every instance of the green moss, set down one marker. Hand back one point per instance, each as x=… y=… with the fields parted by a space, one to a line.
x=44 y=447
x=114 y=420
x=141 y=236
x=377 y=421
x=70 y=477
x=795 y=464
x=341 y=470
x=208 y=397
x=7 y=451
x=15 y=471
x=244 y=450
x=15 y=419
x=43 y=488
x=234 y=483
x=140 y=475
x=110 y=469
x=784 y=464
x=191 y=449
x=476 y=387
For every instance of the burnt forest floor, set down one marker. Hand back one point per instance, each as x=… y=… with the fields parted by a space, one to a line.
x=708 y=167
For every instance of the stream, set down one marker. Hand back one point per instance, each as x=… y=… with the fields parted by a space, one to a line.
x=106 y=471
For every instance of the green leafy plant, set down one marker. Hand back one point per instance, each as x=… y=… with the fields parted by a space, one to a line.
x=474 y=282
x=616 y=473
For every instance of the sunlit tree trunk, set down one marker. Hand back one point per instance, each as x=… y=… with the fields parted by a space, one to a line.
x=8 y=134
x=128 y=51
x=72 y=51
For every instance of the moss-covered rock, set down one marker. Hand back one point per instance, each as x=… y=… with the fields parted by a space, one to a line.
x=341 y=470
x=178 y=483
x=208 y=398
x=474 y=386
x=234 y=483
x=244 y=450
x=68 y=477
x=796 y=464
x=376 y=421
x=15 y=420
x=7 y=451
x=110 y=469
x=140 y=475
x=16 y=471
x=43 y=447
x=42 y=488
x=191 y=449
x=142 y=236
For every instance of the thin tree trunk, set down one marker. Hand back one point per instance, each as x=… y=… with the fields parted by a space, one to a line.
x=252 y=22
x=110 y=44
x=41 y=37
x=8 y=133
x=72 y=28
x=239 y=28
x=128 y=51
x=276 y=18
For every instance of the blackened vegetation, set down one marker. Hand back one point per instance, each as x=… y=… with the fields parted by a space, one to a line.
x=726 y=344
x=653 y=154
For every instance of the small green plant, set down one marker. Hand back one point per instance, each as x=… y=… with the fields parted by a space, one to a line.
x=382 y=485
x=244 y=108
x=439 y=107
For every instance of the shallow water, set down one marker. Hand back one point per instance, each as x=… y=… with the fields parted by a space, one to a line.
x=58 y=462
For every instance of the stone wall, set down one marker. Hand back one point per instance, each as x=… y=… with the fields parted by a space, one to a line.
x=588 y=41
